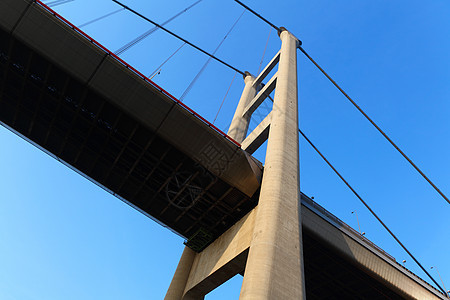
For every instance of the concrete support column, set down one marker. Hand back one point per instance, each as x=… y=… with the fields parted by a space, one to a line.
x=239 y=124
x=274 y=268
x=181 y=276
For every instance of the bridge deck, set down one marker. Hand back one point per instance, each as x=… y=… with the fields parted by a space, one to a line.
x=80 y=103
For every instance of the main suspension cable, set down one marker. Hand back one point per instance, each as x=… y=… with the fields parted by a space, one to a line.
x=179 y=37
x=100 y=18
x=358 y=108
x=141 y=37
x=370 y=209
x=367 y=206
x=375 y=125
x=209 y=58
x=258 y=15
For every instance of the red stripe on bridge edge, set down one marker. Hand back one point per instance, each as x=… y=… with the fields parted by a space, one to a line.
x=85 y=35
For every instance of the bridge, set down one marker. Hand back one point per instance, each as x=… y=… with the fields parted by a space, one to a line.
x=101 y=117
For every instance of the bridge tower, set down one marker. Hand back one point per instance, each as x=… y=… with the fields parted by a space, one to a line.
x=266 y=245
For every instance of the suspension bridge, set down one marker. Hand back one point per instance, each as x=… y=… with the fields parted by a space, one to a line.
x=85 y=106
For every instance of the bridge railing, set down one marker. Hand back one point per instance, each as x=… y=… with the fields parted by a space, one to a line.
x=134 y=70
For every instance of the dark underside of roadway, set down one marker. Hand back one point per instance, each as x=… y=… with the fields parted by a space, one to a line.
x=329 y=275
x=69 y=120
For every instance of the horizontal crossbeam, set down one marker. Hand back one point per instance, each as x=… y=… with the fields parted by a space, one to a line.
x=258 y=136
x=261 y=96
x=267 y=70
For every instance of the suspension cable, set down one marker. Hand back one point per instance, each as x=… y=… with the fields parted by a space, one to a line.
x=57 y=2
x=223 y=100
x=368 y=207
x=100 y=18
x=375 y=125
x=258 y=15
x=209 y=58
x=264 y=52
x=164 y=62
x=180 y=38
x=360 y=110
x=152 y=30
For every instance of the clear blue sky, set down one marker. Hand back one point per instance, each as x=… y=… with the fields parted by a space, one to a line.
x=62 y=237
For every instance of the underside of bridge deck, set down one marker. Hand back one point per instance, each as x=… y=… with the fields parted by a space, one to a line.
x=328 y=275
x=78 y=126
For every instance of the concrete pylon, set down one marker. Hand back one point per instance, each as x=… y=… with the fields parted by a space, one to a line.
x=266 y=244
x=274 y=268
x=239 y=124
